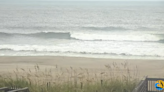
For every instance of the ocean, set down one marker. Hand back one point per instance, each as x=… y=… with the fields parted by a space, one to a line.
x=97 y=29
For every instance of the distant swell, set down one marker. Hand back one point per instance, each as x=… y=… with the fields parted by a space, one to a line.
x=106 y=28
x=162 y=41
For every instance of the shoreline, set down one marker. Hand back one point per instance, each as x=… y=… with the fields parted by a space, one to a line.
x=90 y=56
x=151 y=68
x=58 y=56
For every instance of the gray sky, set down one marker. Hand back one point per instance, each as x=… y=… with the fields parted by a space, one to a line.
x=2 y=2
x=81 y=0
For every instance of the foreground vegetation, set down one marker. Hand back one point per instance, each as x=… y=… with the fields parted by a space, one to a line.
x=113 y=78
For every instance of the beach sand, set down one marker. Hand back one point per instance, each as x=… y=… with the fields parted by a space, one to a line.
x=150 y=68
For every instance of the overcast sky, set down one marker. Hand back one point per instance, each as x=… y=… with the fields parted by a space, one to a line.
x=80 y=0
x=2 y=2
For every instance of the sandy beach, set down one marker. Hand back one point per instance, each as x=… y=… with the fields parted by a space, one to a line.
x=151 y=68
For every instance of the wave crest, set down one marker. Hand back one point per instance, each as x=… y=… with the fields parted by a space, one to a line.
x=87 y=36
x=57 y=35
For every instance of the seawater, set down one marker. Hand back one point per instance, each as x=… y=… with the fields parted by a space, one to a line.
x=89 y=29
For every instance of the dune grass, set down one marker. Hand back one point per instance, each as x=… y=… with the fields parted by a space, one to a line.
x=113 y=78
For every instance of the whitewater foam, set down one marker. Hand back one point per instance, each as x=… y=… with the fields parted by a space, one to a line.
x=85 y=47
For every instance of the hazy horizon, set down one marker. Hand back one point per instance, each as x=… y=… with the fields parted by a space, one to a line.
x=81 y=3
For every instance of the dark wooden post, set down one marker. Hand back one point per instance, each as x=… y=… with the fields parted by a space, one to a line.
x=146 y=86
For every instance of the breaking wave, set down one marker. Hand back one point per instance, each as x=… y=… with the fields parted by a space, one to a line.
x=86 y=36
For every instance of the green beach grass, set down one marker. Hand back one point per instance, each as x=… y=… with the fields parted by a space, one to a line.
x=113 y=78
